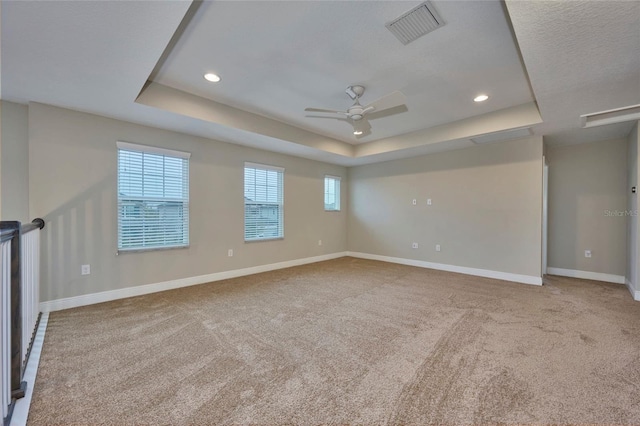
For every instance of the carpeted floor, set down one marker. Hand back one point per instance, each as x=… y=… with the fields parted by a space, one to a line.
x=347 y=341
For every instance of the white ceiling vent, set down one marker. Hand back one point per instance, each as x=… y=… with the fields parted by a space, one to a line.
x=503 y=135
x=611 y=116
x=415 y=23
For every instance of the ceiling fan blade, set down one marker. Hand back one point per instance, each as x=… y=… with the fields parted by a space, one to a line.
x=329 y=118
x=391 y=100
x=330 y=111
x=387 y=112
x=362 y=126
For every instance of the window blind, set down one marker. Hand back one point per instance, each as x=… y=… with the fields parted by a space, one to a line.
x=263 y=202
x=331 y=193
x=153 y=197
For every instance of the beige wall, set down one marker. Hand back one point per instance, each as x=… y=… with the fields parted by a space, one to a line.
x=633 y=233
x=486 y=210
x=0 y=146
x=586 y=181
x=14 y=167
x=1 y=110
x=72 y=184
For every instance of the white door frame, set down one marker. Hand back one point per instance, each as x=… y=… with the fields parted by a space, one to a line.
x=545 y=214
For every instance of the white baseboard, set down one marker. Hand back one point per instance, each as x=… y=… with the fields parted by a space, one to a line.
x=107 y=296
x=635 y=293
x=586 y=275
x=21 y=409
x=505 y=276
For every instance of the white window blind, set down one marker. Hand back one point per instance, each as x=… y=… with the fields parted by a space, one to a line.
x=332 y=193
x=263 y=202
x=153 y=197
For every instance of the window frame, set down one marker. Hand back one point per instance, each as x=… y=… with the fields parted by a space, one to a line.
x=122 y=202
x=337 y=195
x=280 y=203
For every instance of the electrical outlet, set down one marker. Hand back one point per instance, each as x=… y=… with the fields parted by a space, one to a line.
x=319 y=242
x=414 y=245
x=428 y=201
x=587 y=253
x=414 y=202
x=85 y=269
x=437 y=247
x=230 y=252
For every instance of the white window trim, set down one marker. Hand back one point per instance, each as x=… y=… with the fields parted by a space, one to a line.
x=339 y=179
x=263 y=167
x=127 y=146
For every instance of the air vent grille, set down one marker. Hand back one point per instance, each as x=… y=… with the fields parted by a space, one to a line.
x=611 y=116
x=415 y=23
x=503 y=135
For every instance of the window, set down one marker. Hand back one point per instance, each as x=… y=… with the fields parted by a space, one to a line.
x=153 y=197
x=263 y=202
x=332 y=193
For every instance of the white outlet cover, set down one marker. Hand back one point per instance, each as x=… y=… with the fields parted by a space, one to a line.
x=587 y=253
x=437 y=247
x=429 y=201
x=415 y=202
x=414 y=245
x=230 y=252
x=85 y=269
x=319 y=242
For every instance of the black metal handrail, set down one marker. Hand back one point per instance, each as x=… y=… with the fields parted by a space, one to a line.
x=8 y=229
x=36 y=223
x=6 y=235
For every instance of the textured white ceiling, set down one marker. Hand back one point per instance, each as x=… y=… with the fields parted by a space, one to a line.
x=83 y=54
x=581 y=57
x=276 y=58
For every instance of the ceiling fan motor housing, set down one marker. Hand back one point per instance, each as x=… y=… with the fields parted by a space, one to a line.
x=357 y=90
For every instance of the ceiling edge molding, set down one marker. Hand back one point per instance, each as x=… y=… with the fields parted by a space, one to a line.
x=169 y=99
x=249 y=126
x=525 y=115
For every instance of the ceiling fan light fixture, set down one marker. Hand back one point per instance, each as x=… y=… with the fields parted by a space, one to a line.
x=356 y=115
x=214 y=78
x=480 y=98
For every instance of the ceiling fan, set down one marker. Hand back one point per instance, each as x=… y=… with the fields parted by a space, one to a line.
x=357 y=113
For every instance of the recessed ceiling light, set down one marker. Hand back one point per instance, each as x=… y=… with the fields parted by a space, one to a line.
x=480 y=98
x=214 y=78
x=357 y=132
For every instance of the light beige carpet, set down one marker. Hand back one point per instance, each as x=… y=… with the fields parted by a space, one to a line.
x=347 y=341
